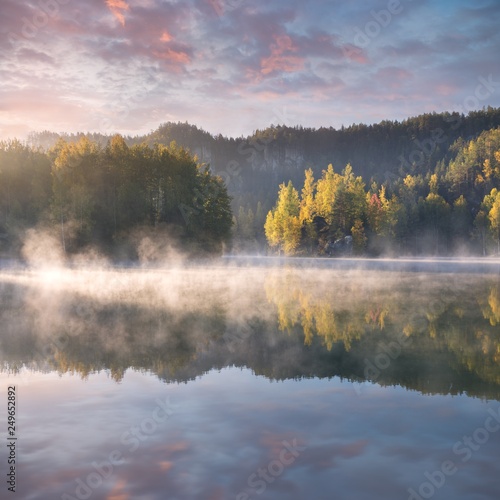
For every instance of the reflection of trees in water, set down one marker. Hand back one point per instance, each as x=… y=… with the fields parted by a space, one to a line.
x=477 y=334
x=332 y=322
x=461 y=317
x=491 y=310
x=83 y=334
x=333 y=312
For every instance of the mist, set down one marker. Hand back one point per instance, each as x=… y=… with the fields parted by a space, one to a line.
x=253 y=351
x=286 y=319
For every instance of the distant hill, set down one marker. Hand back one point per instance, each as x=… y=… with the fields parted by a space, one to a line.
x=253 y=167
x=260 y=162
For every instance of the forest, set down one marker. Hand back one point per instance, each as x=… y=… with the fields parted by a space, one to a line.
x=107 y=198
x=427 y=185
x=452 y=210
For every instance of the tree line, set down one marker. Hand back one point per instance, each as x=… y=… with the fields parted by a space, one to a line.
x=385 y=155
x=453 y=209
x=98 y=195
x=253 y=166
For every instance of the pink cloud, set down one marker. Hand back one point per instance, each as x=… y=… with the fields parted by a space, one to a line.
x=119 y=491
x=172 y=56
x=252 y=55
x=117 y=7
x=267 y=96
x=355 y=54
x=392 y=77
x=218 y=493
x=165 y=465
x=273 y=443
x=446 y=89
x=166 y=37
x=282 y=57
x=171 y=448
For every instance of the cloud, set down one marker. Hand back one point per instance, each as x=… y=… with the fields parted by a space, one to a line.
x=35 y=56
x=282 y=57
x=98 y=52
x=392 y=77
x=119 y=491
x=118 y=7
x=173 y=56
x=166 y=37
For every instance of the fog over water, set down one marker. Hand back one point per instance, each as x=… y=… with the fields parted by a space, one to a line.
x=223 y=310
x=372 y=374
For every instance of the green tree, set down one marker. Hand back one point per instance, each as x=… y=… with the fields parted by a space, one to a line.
x=350 y=201
x=435 y=215
x=75 y=177
x=259 y=219
x=461 y=221
x=105 y=192
x=245 y=224
x=25 y=184
x=114 y=175
x=359 y=238
x=214 y=220
x=409 y=194
x=475 y=168
x=375 y=212
x=481 y=227
x=387 y=217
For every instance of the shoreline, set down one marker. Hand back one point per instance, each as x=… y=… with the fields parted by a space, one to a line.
x=487 y=265
x=406 y=264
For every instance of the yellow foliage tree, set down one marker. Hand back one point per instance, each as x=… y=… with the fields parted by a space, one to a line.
x=283 y=226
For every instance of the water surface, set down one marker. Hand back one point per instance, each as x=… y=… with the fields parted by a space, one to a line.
x=278 y=383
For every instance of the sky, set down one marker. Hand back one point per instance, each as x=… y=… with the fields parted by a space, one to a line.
x=234 y=66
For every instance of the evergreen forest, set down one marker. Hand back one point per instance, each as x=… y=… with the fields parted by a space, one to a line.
x=428 y=185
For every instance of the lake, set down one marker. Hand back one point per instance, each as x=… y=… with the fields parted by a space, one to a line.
x=260 y=382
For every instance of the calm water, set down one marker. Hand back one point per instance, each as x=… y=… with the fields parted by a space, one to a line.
x=252 y=384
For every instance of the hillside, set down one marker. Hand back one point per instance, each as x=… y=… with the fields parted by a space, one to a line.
x=383 y=154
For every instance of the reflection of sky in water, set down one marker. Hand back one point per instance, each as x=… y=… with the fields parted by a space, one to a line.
x=360 y=443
